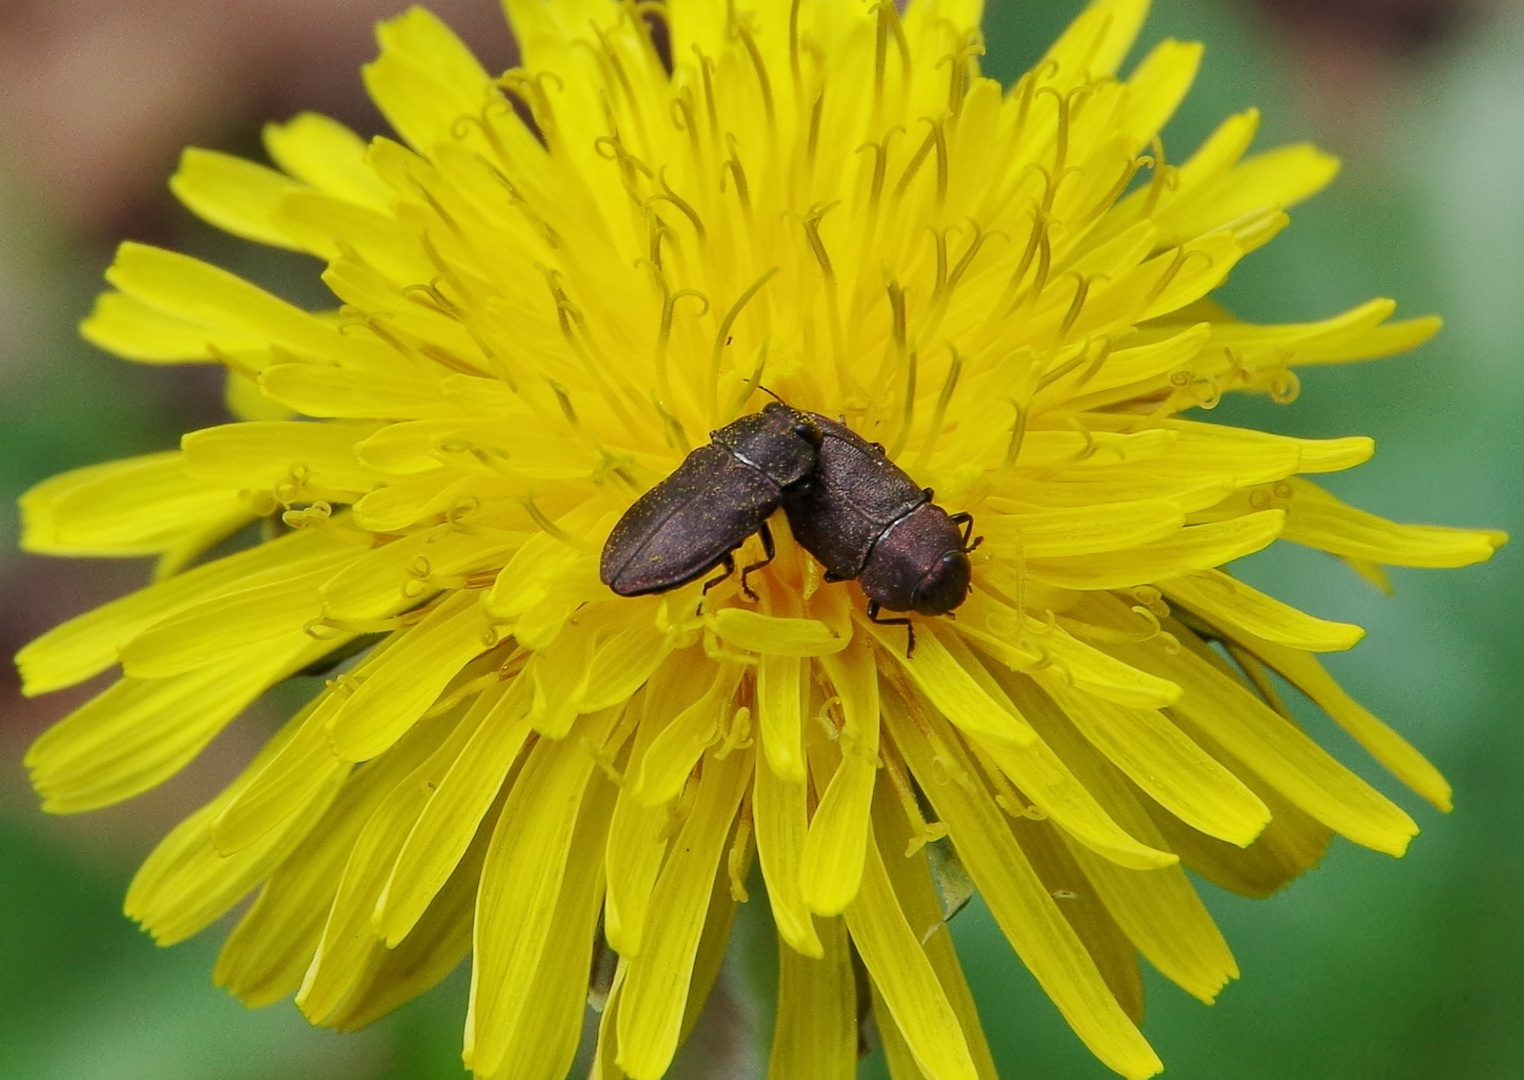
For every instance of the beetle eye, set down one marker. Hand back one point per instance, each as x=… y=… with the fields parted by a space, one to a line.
x=809 y=432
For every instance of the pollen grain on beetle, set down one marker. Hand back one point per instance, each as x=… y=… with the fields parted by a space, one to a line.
x=547 y=289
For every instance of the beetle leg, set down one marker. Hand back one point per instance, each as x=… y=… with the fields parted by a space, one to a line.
x=967 y=521
x=873 y=610
x=768 y=550
x=729 y=563
x=831 y=577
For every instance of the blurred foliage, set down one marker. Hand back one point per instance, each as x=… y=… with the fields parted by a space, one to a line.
x=1370 y=967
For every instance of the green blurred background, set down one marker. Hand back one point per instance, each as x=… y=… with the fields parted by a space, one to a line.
x=1370 y=967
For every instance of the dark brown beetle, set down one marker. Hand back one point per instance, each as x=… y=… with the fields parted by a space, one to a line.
x=721 y=494
x=864 y=517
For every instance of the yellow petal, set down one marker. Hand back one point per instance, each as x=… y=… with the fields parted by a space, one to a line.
x=779 y=715
x=228 y=625
x=1043 y=778
x=332 y=228
x=1157 y=86
x=1279 y=178
x=1290 y=845
x=1188 y=279
x=1082 y=909
x=340 y=392
x=1311 y=455
x=522 y=881
x=1200 y=547
x=831 y=869
x=235 y=195
x=1333 y=455
x=1385 y=745
x=1277 y=750
x=815 y=1032
x=638 y=836
x=1385 y=340
x=128 y=327
x=911 y=878
x=656 y=991
x=833 y=852
x=140 y=732
x=1127 y=371
x=1319 y=520
x=1083 y=530
x=607 y=1045
x=1158 y=910
x=290 y=780
x=1221 y=150
x=1026 y=912
x=496 y=727
x=774 y=635
x=138 y=506
x=891 y=951
x=1071 y=454
x=422 y=445
x=529 y=576
x=623 y=663
x=1024 y=644
x=186 y=883
x=272 y=946
x=1096 y=42
x=557 y=997
x=1162 y=760
x=350 y=946
x=1238 y=455
x=327 y=155
x=242 y=396
x=209 y=297
x=665 y=767
x=425 y=80
x=399 y=575
x=952 y=689
x=897 y=1055
x=262 y=454
x=374 y=979
x=391 y=978
x=87 y=645
x=417 y=669
x=695 y=25
x=1225 y=601
x=930 y=24
x=780 y=814
x=560 y=671
x=714 y=942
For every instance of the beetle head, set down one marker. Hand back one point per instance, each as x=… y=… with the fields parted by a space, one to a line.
x=943 y=586
x=800 y=423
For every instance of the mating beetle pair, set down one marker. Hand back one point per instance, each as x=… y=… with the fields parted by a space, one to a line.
x=847 y=504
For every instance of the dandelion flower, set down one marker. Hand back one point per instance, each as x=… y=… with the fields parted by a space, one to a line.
x=548 y=289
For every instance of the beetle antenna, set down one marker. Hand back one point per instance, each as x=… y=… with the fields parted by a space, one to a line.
x=770 y=394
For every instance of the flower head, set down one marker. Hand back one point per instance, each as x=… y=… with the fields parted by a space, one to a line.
x=547 y=293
